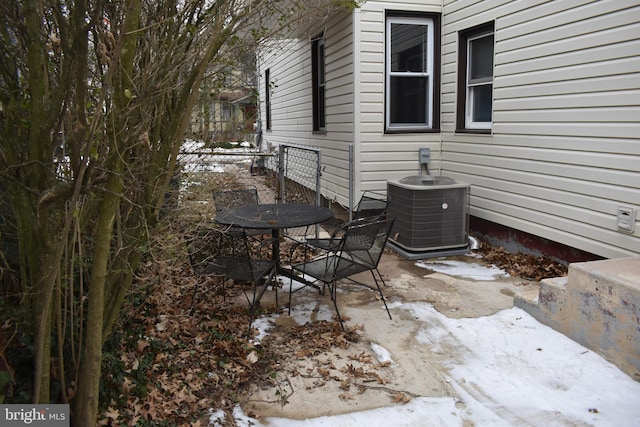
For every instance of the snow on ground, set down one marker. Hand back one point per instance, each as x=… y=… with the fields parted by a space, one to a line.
x=510 y=369
x=507 y=370
x=421 y=412
x=195 y=157
x=463 y=269
x=304 y=306
x=382 y=354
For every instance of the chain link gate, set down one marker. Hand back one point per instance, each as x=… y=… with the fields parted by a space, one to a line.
x=298 y=175
x=298 y=180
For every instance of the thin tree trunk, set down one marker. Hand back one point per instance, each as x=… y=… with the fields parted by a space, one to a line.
x=87 y=394
x=42 y=271
x=117 y=285
x=86 y=400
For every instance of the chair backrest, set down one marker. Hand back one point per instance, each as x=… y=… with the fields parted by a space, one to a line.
x=214 y=251
x=364 y=241
x=225 y=199
x=371 y=204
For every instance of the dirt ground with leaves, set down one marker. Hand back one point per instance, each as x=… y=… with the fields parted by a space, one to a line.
x=184 y=348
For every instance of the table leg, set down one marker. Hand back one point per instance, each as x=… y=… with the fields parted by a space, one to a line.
x=275 y=256
x=275 y=234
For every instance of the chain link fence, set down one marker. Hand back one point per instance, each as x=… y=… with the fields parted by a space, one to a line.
x=204 y=170
x=290 y=175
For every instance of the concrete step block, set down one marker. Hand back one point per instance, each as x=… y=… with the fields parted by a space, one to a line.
x=604 y=305
x=548 y=306
x=597 y=305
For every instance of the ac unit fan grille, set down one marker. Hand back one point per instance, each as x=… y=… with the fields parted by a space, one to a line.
x=429 y=218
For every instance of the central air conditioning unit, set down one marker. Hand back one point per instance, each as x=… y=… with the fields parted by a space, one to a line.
x=431 y=216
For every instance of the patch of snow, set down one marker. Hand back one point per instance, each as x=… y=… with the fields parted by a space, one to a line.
x=307 y=308
x=382 y=354
x=241 y=419
x=420 y=412
x=192 y=152
x=263 y=325
x=506 y=369
x=202 y=167
x=216 y=418
x=192 y=145
x=463 y=269
x=510 y=369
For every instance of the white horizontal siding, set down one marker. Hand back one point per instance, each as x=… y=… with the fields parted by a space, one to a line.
x=589 y=84
x=564 y=152
x=565 y=145
x=569 y=59
x=559 y=17
x=586 y=130
x=576 y=114
x=292 y=99
x=563 y=40
x=570 y=231
x=589 y=182
x=474 y=144
x=384 y=156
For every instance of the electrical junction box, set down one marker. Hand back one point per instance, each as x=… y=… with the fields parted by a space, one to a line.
x=424 y=154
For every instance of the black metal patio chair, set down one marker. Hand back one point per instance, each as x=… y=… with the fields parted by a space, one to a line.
x=230 y=198
x=372 y=205
x=358 y=250
x=233 y=198
x=220 y=253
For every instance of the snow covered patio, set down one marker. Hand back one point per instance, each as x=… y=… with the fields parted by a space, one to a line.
x=457 y=353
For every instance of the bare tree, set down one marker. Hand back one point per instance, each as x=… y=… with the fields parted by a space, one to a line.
x=95 y=98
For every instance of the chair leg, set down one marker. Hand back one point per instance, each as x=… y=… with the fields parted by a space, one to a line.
x=252 y=306
x=247 y=297
x=275 y=289
x=333 y=291
x=380 y=289
x=262 y=283
x=290 y=292
x=195 y=295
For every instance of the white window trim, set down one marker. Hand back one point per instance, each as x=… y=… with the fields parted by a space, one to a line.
x=428 y=22
x=469 y=123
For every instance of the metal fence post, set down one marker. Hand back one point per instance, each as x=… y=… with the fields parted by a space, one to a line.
x=318 y=177
x=281 y=174
x=351 y=181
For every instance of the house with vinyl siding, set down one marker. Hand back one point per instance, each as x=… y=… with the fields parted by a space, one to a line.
x=535 y=104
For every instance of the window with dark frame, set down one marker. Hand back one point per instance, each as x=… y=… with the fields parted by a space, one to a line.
x=267 y=97
x=475 y=79
x=411 y=76
x=225 y=111
x=318 y=83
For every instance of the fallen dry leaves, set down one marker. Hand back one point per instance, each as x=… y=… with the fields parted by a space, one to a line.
x=183 y=349
x=522 y=265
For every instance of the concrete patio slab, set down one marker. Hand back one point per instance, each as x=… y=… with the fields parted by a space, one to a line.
x=421 y=358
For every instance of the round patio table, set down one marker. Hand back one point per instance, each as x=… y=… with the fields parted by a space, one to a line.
x=276 y=217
